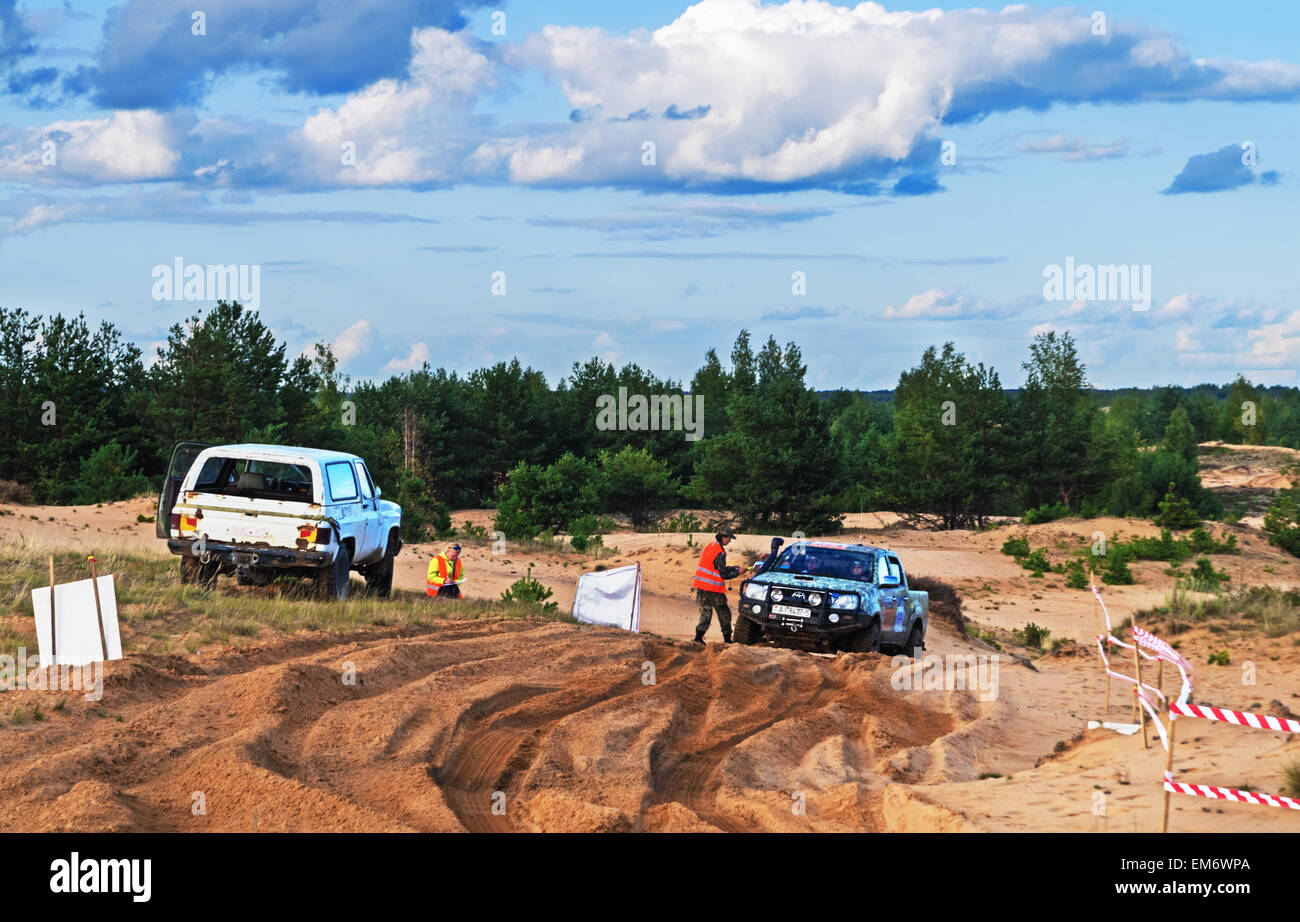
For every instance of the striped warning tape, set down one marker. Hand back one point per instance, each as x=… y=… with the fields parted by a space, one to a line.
x=1240 y=718
x=1152 y=642
x=1245 y=797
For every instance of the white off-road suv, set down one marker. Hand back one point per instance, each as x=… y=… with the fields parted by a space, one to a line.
x=262 y=510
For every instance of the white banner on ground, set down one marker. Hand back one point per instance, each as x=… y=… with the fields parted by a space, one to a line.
x=77 y=622
x=611 y=597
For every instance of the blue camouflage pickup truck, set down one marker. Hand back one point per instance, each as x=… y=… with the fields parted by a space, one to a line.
x=829 y=596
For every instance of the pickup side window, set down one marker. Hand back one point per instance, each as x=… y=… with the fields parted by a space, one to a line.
x=342 y=481
x=363 y=475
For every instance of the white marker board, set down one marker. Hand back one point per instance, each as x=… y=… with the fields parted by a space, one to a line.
x=611 y=597
x=77 y=624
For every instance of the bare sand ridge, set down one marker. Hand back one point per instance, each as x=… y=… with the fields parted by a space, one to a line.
x=562 y=721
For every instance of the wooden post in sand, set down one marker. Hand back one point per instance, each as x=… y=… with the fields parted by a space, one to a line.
x=99 y=611
x=1137 y=692
x=54 y=634
x=1103 y=633
x=1169 y=769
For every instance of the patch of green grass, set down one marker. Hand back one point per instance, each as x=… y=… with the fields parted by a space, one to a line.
x=160 y=615
x=1274 y=611
x=1291 y=779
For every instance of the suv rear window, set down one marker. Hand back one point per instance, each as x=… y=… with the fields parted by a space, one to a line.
x=233 y=476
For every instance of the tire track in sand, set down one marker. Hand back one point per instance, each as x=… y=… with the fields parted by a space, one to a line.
x=490 y=753
x=692 y=779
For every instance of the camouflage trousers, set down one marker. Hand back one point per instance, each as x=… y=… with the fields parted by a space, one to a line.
x=710 y=602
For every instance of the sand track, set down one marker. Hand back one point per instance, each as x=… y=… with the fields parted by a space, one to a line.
x=557 y=726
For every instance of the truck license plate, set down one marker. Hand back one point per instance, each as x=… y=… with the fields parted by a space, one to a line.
x=790 y=610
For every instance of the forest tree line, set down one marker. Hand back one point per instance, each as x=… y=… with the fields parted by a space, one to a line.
x=88 y=420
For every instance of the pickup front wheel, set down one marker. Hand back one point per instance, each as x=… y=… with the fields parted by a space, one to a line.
x=379 y=576
x=331 y=582
x=747 y=631
x=866 y=640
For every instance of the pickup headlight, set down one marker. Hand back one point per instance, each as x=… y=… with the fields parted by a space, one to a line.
x=814 y=599
x=777 y=595
x=755 y=591
x=844 y=602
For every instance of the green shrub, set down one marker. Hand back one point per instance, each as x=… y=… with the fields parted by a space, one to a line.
x=1031 y=635
x=1075 y=577
x=1290 y=779
x=1016 y=547
x=108 y=474
x=1046 y=513
x=684 y=522
x=1282 y=525
x=1037 y=561
x=1218 y=658
x=1116 y=571
x=529 y=591
x=536 y=498
x=1204 y=578
x=1176 y=512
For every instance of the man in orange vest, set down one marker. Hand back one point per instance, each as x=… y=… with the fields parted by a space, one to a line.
x=445 y=572
x=710 y=588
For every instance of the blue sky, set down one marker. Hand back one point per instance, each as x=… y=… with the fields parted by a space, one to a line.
x=789 y=138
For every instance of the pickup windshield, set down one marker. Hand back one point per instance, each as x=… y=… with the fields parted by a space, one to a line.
x=258 y=479
x=827 y=561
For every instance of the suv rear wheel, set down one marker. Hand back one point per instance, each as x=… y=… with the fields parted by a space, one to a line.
x=331 y=582
x=915 y=639
x=196 y=572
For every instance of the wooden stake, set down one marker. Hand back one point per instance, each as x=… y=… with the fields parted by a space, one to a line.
x=1137 y=691
x=54 y=633
x=99 y=611
x=1169 y=768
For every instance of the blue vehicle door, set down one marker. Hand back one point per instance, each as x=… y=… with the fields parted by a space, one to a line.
x=893 y=596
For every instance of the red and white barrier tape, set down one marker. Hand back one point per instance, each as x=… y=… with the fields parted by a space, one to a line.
x=1160 y=728
x=1166 y=652
x=1246 y=797
x=1240 y=718
x=1141 y=638
x=1127 y=678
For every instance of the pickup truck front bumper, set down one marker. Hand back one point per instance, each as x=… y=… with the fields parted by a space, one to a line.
x=810 y=623
x=247 y=555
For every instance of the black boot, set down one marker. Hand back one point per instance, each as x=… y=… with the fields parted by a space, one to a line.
x=699 y=637
x=726 y=638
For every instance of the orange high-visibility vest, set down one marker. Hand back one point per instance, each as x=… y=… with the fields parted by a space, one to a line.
x=706 y=577
x=437 y=574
